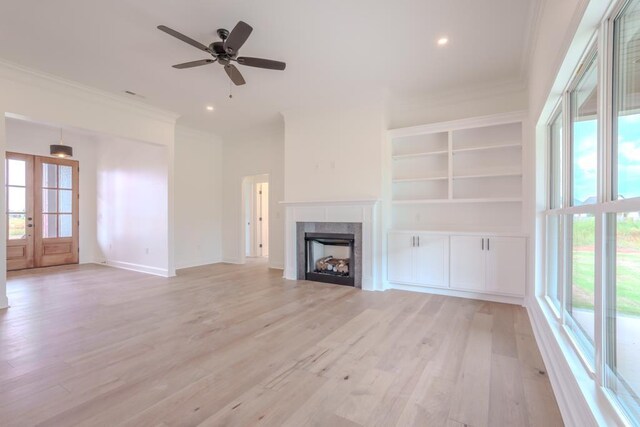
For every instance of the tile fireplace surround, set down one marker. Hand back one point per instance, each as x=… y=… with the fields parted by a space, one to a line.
x=365 y=213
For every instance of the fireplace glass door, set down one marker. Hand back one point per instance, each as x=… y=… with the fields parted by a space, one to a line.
x=329 y=258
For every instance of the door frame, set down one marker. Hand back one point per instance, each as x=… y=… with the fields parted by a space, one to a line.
x=247 y=210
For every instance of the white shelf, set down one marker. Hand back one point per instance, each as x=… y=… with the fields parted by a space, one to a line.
x=485 y=147
x=482 y=200
x=488 y=175
x=424 y=154
x=435 y=178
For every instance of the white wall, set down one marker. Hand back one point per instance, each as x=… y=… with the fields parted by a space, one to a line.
x=33 y=138
x=477 y=103
x=48 y=99
x=198 y=198
x=334 y=154
x=132 y=195
x=253 y=152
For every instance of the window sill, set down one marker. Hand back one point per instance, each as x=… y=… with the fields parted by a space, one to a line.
x=581 y=400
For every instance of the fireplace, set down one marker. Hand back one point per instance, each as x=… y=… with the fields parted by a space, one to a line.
x=330 y=258
x=329 y=252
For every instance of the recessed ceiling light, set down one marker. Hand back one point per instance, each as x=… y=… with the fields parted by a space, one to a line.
x=442 y=41
x=209 y=107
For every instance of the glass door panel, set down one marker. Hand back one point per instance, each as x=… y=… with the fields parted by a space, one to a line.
x=19 y=210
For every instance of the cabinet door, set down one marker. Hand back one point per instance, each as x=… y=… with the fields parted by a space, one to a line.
x=431 y=260
x=399 y=262
x=467 y=263
x=506 y=265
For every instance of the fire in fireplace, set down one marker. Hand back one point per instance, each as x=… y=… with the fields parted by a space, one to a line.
x=329 y=258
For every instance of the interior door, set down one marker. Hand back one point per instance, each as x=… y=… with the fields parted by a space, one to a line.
x=506 y=268
x=19 y=211
x=400 y=258
x=431 y=260
x=468 y=262
x=56 y=207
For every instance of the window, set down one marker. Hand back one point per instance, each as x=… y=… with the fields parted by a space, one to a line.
x=580 y=286
x=626 y=135
x=555 y=161
x=592 y=223
x=553 y=267
x=584 y=136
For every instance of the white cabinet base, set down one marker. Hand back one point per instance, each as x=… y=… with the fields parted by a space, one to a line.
x=458 y=293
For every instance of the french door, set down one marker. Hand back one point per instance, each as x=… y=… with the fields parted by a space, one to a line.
x=42 y=211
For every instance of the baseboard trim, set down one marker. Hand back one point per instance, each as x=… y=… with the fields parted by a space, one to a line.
x=581 y=401
x=163 y=272
x=231 y=261
x=458 y=294
x=197 y=263
x=276 y=266
x=4 y=302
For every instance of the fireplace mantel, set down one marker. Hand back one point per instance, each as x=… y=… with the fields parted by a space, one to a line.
x=365 y=212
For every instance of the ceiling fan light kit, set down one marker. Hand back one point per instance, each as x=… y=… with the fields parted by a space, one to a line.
x=226 y=51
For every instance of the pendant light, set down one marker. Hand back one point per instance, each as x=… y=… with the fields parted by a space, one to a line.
x=61 y=150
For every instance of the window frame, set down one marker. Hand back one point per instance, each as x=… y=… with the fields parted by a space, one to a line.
x=602 y=44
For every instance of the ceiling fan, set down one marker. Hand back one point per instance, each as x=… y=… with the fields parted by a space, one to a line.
x=226 y=51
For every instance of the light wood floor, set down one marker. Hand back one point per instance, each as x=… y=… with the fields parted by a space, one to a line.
x=237 y=346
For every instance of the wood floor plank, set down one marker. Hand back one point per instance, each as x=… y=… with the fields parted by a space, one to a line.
x=228 y=345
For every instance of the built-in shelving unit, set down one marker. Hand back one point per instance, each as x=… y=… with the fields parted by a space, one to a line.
x=458 y=173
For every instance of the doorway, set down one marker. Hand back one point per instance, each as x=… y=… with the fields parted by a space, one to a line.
x=42 y=211
x=256 y=215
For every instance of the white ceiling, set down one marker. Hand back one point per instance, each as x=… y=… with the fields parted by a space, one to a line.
x=336 y=51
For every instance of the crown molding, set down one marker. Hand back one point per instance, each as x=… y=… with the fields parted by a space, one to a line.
x=20 y=74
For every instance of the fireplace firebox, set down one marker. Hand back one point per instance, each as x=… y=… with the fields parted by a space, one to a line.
x=330 y=258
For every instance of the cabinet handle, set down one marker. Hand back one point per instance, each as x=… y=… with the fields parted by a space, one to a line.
x=418 y=237
x=483 y=243
x=488 y=247
x=413 y=241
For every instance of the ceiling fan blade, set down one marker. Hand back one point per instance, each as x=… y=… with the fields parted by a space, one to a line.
x=237 y=37
x=261 y=63
x=194 y=63
x=234 y=74
x=184 y=38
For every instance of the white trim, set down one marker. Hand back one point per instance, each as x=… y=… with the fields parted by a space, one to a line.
x=163 y=272
x=4 y=302
x=457 y=293
x=232 y=261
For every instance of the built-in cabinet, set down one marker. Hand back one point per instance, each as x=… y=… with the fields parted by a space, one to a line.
x=486 y=264
x=419 y=258
x=456 y=208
